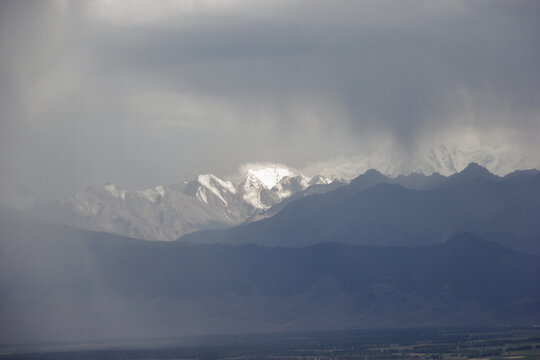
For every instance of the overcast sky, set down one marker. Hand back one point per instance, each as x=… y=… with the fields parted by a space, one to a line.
x=141 y=93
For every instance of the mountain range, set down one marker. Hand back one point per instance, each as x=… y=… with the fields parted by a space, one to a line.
x=445 y=160
x=408 y=210
x=61 y=283
x=274 y=250
x=408 y=251
x=167 y=212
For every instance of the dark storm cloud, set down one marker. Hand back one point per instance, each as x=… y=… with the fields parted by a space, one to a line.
x=141 y=93
x=398 y=75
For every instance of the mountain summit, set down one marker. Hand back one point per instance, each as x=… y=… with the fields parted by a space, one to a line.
x=269 y=176
x=473 y=171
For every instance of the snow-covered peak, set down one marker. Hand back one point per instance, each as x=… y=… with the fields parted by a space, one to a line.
x=269 y=176
x=166 y=212
x=289 y=185
x=215 y=185
x=151 y=194
x=160 y=190
x=211 y=181
x=445 y=160
x=265 y=186
x=257 y=182
x=114 y=191
x=319 y=180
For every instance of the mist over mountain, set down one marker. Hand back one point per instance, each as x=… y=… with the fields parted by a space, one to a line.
x=64 y=284
x=376 y=210
x=442 y=159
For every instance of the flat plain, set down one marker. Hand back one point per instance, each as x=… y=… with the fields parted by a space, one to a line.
x=429 y=343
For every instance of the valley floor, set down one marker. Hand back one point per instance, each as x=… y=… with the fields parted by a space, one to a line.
x=355 y=344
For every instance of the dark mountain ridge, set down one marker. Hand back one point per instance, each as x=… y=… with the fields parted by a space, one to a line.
x=59 y=285
x=374 y=210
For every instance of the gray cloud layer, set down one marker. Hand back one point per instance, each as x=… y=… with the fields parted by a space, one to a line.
x=143 y=92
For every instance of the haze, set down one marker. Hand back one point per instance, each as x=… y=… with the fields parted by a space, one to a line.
x=141 y=93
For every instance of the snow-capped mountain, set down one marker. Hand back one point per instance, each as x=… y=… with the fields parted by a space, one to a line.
x=444 y=160
x=209 y=202
x=167 y=212
x=262 y=188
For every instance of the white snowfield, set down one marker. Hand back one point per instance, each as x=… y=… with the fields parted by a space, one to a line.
x=168 y=212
